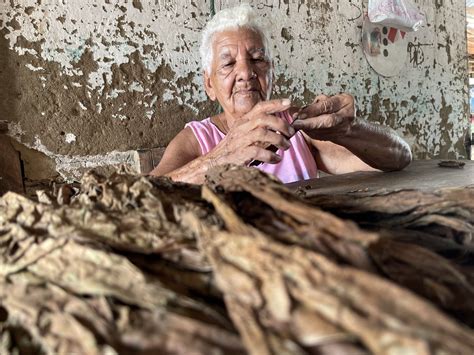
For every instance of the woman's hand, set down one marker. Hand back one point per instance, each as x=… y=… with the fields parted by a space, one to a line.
x=247 y=139
x=344 y=143
x=327 y=118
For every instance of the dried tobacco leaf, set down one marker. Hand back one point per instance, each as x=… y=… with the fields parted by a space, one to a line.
x=427 y=274
x=59 y=322
x=286 y=217
x=69 y=247
x=279 y=279
x=446 y=213
x=119 y=264
x=245 y=190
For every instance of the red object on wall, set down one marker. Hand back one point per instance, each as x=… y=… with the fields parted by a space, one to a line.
x=392 y=34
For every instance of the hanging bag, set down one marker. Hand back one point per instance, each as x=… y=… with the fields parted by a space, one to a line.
x=400 y=14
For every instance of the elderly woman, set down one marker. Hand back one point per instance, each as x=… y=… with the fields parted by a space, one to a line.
x=238 y=72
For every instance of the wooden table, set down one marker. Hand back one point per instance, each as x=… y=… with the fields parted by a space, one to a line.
x=420 y=175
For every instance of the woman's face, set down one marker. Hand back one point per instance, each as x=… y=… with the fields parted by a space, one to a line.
x=241 y=73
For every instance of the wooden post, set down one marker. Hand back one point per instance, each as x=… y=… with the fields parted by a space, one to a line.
x=11 y=177
x=149 y=158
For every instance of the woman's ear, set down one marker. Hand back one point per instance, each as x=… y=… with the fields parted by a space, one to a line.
x=208 y=86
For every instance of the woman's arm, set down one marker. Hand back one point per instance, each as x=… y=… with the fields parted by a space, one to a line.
x=182 y=160
x=365 y=147
x=245 y=141
x=343 y=143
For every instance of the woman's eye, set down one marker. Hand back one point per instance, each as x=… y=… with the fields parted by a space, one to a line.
x=259 y=59
x=227 y=65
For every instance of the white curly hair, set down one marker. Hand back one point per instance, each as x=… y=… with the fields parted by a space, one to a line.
x=242 y=16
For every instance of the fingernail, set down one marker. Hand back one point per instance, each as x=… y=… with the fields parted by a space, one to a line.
x=286 y=102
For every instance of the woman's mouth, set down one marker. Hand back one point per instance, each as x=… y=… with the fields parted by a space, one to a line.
x=246 y=92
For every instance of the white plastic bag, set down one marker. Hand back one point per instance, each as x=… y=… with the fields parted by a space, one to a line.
x=401 y=14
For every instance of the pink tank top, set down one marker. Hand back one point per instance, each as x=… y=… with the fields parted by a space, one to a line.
x=297 y=162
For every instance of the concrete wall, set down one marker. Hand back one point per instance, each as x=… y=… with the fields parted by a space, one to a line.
x=85 y=82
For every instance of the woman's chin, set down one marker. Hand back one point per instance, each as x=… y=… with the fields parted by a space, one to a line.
x=245 y=103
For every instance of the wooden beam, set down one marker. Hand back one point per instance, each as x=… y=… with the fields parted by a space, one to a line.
x=149 y=158
x=11 y=176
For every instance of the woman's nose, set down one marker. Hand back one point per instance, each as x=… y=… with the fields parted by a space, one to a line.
x=245 y=70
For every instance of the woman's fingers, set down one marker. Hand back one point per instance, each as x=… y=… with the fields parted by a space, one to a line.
x=263 y=138
x=327 y=117
x=270 y=106
x=272 y=123
x=319 y=122
x=320 y=98
x=342 y=104
x=262 y=116
x=321 y=107
x=242 y=145
x=263 y=155
x=250 y=138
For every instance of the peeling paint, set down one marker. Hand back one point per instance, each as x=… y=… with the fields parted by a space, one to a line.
x=73 y=166
x=121 y=75
x=70 y=138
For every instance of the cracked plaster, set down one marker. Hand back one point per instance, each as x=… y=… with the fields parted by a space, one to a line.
x=120 y=75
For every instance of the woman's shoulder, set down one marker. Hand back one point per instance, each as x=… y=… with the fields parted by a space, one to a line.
x=202 y=123
x=203 y=128
x=206 y=134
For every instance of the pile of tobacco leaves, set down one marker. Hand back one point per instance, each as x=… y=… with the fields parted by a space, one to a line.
x=140 y=265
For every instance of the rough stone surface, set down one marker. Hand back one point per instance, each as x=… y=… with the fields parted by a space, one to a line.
x=85 y=82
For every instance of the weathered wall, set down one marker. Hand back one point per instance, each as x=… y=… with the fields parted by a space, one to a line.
x=85 y=82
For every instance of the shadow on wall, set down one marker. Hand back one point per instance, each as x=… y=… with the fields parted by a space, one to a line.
x=36 y=164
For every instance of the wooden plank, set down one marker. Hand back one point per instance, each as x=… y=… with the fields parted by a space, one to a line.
x=150 y=158
x=157 y=154
x=146 y=161
x=11 y=177
x=420 y=175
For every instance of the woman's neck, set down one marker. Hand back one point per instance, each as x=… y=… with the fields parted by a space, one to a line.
x=223 y=122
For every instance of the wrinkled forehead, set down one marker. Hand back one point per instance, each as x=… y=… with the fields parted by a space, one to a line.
x=235 y=39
